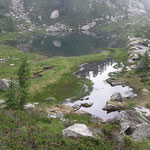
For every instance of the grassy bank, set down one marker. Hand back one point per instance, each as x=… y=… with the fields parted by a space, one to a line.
x=57 y=81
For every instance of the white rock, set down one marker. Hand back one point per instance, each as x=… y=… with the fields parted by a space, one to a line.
x=2 y=101
x=77 y=130
x=54 y=14
x=35 y=103
x=29 y=106
x=145 y=90
x=12 y=64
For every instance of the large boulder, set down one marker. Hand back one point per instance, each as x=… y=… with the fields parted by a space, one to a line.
x=116 y=97
x=4 y=84
x=142 y=132
x=77 y=130
x=113 y=107
x=54 y=14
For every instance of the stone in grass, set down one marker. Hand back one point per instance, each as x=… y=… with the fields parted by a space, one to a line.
x=4 y=84
x=145 y=91
x=29 y=106
x=77 y=130
x=50 y=99
x=2 y=101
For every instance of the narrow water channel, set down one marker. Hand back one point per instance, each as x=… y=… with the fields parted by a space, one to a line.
x=102 y=91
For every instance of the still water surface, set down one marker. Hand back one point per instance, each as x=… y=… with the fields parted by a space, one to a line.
x=73 y=44
x=102 y=91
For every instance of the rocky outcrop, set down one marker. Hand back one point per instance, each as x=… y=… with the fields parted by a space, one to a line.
x=77 y=130
x=18 y=13
x=88 y=26
x=142 y=132
x=136 y=122
x=137 y=47
x=88 y=16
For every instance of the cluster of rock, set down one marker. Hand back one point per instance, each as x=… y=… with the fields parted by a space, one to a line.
x=137 y=47
x=129 y=9
x=18 y=13
x=136 y=122
x=58 y=27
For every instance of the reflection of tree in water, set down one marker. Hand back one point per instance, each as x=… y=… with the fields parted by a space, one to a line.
x=94 y=68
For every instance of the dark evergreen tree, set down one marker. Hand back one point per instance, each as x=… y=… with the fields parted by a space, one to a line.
x=12 y=95
x=23 y=73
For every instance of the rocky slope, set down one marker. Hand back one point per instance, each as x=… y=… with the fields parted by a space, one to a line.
x=69 y=14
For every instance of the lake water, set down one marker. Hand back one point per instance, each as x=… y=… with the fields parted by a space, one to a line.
x=102 y=91
x=73 y=44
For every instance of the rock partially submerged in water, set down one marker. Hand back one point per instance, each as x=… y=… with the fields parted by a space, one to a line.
x=86 y=104
x=113 y=82
x=113 y=107
x=77 y=130
x=117 y=97
x=76 y=107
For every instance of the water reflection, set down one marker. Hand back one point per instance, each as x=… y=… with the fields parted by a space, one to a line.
x=102 y=91
x=94 y=68
x=73 y=44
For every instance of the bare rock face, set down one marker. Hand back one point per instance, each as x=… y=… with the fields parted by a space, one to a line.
x=77 y=130
x=54 y=14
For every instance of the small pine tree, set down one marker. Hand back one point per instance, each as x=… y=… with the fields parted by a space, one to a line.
x=23 y=73
x=12 y=95
x=17 y=94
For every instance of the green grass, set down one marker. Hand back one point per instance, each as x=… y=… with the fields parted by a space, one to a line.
x=28 y=131
x=58 y=82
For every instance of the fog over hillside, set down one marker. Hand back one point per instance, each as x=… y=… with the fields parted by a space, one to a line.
x=73 y=14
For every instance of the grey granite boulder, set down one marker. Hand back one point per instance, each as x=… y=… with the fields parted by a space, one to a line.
x=77 y=130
